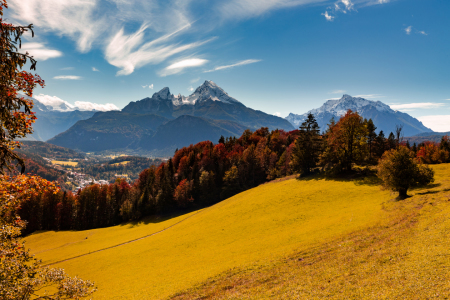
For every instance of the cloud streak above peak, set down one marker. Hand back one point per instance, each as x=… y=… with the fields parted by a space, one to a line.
x=241 y=63
x=179 y=66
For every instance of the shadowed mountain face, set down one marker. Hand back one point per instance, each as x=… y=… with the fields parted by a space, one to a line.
x=164 y=122
x=381 y=114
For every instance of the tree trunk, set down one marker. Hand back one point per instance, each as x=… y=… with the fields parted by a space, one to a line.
x=402 y=194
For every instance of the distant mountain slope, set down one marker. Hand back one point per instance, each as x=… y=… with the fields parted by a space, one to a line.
x=108 y=130
x=426 y=136
x=381 y=114
x=49 y=151
x=186 y=130
x=51 y=122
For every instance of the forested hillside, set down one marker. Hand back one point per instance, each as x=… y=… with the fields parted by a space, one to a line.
x=205 y=173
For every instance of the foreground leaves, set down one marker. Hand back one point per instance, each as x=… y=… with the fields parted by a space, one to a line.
x=21 y=275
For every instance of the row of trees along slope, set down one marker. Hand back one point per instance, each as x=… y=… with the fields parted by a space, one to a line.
x=205 y=173
x=21 y=275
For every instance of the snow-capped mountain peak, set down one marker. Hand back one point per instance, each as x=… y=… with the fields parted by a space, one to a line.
x=383 y=116
x=341 y=106
x=207 y=91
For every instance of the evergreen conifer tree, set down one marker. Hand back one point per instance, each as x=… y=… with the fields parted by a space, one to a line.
x=308 y=146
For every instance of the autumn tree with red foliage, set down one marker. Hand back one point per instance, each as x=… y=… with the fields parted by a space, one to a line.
x=345 y=143
x=16 y=117
x=431 y=153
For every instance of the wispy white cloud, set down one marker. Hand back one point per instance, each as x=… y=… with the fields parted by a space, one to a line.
x=342 y=6
x=337 y=92
x=129 y=52
x=82 y=105
x=179 y=66
x=439 y=123
x=241 y=63
x=423 y=32
x=77 y=19
x=39 y=51
x=235 y=9
x=67 y=77
x=348 y=4
x=408 y=29
x=412 y=106
x=95 y=69
x=190 y=89
x=327 y=16
x=59 y=104
x=164 y=24
x=198 y=79
x=150 y=86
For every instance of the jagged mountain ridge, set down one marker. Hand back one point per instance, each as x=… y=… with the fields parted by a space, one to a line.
x=207 y=101
x=176 y=121
x=381 y=114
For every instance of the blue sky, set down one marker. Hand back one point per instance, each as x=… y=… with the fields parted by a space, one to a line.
x=278 y=56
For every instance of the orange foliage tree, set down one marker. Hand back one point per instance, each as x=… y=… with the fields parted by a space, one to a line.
x=16 y=116
x=430 y=153
x=345 y=142
x=22 y=276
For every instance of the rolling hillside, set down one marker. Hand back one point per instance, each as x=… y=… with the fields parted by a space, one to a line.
x=265 y=233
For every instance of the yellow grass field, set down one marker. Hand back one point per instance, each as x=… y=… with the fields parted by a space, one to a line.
x=121 y=163
x=274 y=241
x=65 y=163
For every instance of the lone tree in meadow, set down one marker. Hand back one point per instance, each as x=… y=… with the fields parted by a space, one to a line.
x=399 y=171
x=308 y=146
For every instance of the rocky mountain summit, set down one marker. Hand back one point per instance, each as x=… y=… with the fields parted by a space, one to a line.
x=381 y=114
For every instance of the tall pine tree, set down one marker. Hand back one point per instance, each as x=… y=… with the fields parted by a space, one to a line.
x=308 y=145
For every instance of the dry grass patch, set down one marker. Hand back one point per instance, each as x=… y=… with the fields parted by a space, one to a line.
x=65 y=163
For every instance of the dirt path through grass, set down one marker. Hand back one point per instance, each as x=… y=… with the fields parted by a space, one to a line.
x=124 y=243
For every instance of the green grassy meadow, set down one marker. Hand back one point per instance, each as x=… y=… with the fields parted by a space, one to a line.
x=218 y=250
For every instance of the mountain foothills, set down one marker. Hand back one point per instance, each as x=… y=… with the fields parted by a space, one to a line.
x=164 y=122
x=381 y=114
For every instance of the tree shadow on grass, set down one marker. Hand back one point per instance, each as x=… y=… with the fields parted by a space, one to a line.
x=364 y=176
x=154 y=219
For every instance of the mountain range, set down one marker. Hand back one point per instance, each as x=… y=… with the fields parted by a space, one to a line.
x=381 y=114
x=164 y=122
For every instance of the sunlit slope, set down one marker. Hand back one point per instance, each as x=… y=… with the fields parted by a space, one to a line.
x=405 y=256
x=258 y=225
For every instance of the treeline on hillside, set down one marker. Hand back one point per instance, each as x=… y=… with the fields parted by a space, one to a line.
x=48 y=150
x=130 y=166
x=36 y=165
x=206 y=173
